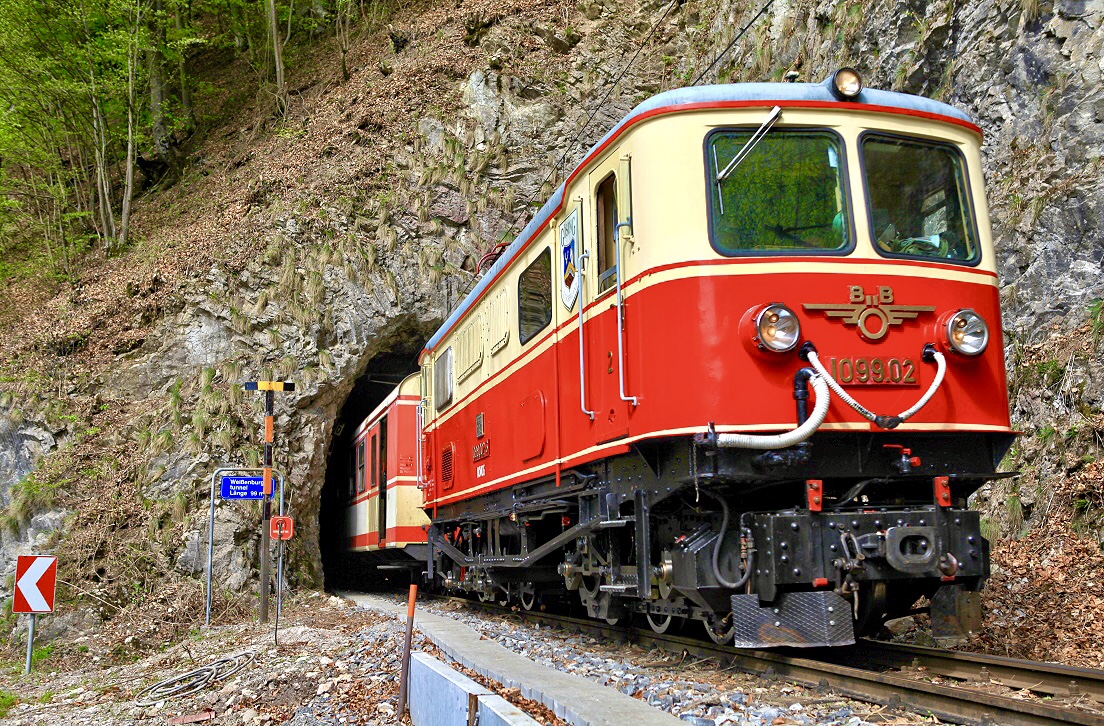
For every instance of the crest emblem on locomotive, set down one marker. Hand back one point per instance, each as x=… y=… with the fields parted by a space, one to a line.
x=569 y=245
x=872 y=313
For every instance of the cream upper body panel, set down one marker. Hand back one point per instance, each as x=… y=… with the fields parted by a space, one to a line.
x=669 y=206
x=670 y=198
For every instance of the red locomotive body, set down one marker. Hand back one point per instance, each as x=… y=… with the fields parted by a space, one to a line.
x=736 y=370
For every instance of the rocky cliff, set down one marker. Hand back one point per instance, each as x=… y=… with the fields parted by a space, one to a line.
x=312 y=247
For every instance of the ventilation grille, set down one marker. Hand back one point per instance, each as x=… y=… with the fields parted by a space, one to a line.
x=446 y=463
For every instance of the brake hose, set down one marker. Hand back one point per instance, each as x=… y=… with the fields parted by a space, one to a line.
x=886 y=422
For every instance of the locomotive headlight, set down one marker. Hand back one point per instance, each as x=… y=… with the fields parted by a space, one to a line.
x=847 y=83
x=778 y=328
x=967 y=332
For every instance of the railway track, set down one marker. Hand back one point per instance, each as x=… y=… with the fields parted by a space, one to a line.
x=890 y=674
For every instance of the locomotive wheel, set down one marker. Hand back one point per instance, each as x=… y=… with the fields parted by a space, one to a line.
x=718 y=631
x=659 y=623
x=527 y=596
x=871 y=610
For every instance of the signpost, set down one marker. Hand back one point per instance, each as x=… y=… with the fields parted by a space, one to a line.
x=269 y=388
x=35 y=587
x=281 y=530
x=240 y=485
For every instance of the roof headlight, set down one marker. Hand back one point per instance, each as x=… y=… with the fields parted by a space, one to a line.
x=967 y=333
x=777 y=328
x=847 y=83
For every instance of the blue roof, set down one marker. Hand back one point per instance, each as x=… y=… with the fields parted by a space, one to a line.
x=765 y=92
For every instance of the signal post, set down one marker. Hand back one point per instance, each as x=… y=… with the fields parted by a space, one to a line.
x=269 y=388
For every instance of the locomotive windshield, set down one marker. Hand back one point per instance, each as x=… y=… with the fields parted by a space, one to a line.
x=786 y=195
x=919 y=206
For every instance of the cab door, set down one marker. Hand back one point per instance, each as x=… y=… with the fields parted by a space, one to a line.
x=600 y=329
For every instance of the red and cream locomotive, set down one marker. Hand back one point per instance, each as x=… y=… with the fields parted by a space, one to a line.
x=737 y=369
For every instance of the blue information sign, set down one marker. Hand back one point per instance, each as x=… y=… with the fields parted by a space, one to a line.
x=243 y=487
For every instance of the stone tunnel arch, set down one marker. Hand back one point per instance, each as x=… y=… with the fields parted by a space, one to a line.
x=393 y=356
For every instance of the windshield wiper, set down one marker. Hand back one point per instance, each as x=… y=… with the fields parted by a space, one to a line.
x=772 y=118
x=775 y=114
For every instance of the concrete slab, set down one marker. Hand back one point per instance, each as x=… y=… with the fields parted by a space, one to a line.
x=497 y=711
x=576 y=700
x=438 y=695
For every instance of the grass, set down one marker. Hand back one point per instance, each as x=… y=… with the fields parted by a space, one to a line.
x=1096 y=318
x=7 y=700
x=1014 y=509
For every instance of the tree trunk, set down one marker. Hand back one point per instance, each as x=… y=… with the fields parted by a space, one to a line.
x=132 y=62
x=103 y=183
x=341 y=25
x=185 y=89
x=154 y=61
x=278 y=58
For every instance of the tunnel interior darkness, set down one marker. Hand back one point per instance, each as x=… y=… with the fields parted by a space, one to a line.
x=385 y=371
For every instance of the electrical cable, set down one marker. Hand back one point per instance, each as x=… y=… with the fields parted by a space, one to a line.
x=888 y=422
x=578 y=134
x=720 y=540
x=194 y=680
x=733 y=41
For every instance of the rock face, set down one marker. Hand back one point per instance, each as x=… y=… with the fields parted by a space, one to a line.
x=351 y=281
x=22 y=447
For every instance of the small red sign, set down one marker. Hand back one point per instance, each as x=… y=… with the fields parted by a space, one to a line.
x=35 y=584
x=281 y=527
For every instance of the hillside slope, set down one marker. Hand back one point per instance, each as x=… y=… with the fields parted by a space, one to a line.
x=311 y=245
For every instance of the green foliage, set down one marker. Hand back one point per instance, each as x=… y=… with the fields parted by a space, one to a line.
x=40 y=654
x=1049 y=372
x=1096 y=318
x=7 y=700
x=28 y=497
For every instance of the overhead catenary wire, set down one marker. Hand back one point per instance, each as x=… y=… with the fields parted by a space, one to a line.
x=723 y=53
x=561 y=162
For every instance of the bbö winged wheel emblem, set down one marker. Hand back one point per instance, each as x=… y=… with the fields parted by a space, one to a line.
x=872 y=313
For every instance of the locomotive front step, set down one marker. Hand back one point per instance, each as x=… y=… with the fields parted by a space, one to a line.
x=796 y=619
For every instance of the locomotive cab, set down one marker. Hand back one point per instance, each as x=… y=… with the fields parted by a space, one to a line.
x=739 y=369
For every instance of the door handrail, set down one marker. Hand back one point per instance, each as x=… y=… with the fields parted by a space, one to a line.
x=582 y=357
x=620 y=318
x=419 y=417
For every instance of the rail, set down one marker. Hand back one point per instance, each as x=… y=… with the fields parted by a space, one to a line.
x=861 y=679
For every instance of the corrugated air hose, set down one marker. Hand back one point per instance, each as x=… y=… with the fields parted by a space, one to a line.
x=789 y=438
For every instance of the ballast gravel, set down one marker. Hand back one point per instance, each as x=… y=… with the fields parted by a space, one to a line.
x=698 y=691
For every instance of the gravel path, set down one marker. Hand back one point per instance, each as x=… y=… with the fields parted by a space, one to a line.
x=335 y=664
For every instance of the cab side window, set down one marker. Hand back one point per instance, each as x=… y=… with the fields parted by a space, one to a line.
x=535 y=297
x=606 y=215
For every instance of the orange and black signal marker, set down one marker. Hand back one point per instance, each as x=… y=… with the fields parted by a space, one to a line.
x=269 y=387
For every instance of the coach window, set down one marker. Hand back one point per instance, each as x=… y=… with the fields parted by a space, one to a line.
x=360 y=466
x=442 y=379
x=788 y=194
x=375 y=454
x=605 y=199
x=535 y=297
x=919 y=199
